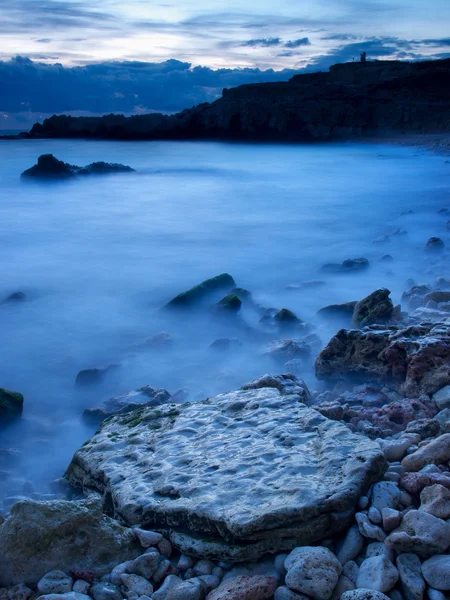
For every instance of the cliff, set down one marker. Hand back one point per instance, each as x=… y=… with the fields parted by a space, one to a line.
x=351 y=100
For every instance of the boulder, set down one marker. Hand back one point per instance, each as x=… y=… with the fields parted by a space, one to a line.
x=11 y=406
x=39 y=537
x=351 y=265
x=286 y=318
x=435 y=500
x=258 y=587
x=377 y=573
x=285 y=350
x=413 y=584
x=414 y=359
x=49 y=167
x=375 y=308
x=199 y=293
x=230 y=304
x=125 y=403
x=313 y=571
x=234 y=476
x=421 y=534
x=436 y=571
x=434 y=245
x=94 y=376
x=435 y=452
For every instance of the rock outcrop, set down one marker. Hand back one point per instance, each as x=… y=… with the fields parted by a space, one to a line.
x=351 y=100
x=202 y=291
x=49 y=167
x=231 y=477
x=11 y=406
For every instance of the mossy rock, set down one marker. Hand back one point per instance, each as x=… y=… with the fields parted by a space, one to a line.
x=11 y=405
x=201 y=291
x=230 y=304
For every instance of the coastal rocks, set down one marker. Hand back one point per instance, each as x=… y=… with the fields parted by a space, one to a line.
x=364 y=594
x=285 y=318
x=231 y=304
x=61 y=535
x=411 y=577
x=313 y=571
x=257 y=587
x=434 y=245
x=94 y=376
x=14 y=298
x=435 y=500
x=421 y=534
x=55 y=582
x=11 y=406
x=49 y=167
x=125 y=403
x=351 y=265
x=442 y=398
x=200 y=292
x=436 y=571
x=377 y=573
x=415 y=297
x=435 y=452
x=285 y=350
x=300 y=474
x=338 y=311
x=375 y=308
x=414 y=359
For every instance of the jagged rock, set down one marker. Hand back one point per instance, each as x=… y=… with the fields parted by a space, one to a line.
x=199 y=293
x=351 y=265
x=309 y=472
x=286 y=384
x=49 y=167
x=415 y=297
x=61 y=535
x=375 y=308
x=436 y=571
x=420 y=533
x=11 y=406
x=414 y=359
x=125 y=403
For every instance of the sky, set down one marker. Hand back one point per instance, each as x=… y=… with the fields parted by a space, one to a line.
x=136 y=56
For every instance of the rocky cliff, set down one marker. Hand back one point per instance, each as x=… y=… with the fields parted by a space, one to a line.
x=352 y=100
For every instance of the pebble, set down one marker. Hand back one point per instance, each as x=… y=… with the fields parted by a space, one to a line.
x=147 y=538
x=284 y=593
x=364 y=594
x=203 y=567
x=136 y=583
x=363 y=502
x=436 y=571
x=435 y=594
x=105 y=591
x=145 y=565
x=350 y=546
x=81 y=587
x=374 y=515
x=442 y=398
x=351 y=570
x=435 y=500
x=313 y=571
x=380 y=549
x=185 y=562
x=20 y=592
x=391 y=519
x=344 y=584
x=118 y=571
x=377 y=573
x=368 y=529
x=437 y=451
x=258 y=587
x=165 y=548
x=420 y=533
x=386 y=494
x=411 y=578
x=55 y=582
x=67 y=596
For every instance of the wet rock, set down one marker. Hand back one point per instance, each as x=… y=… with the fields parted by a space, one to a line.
x=434 y=245
x=14 y=298
x=230 y=304
x=395 y=449
x=144 y=565
x=137 y=584
x=64 y=535
x=426 y=428
x=368 y=529
x=421 y=534
x=201 y=292
x=415 y=482
x=331 y=409
x=375 y=308
x=81 y=587
x=49 y=167
x=351 y=265
x=435 y=500
x=105 y=591
x=286 y=384
x=257 y=587
x=147 y=538
x=313 y=571
x=437 y=296
x=435 y=452
x=413 y=584
x=226 y=345
x=338 y=311
x=350 y=546
x=94 y=376
x=125 y=403
x=442 y=398
x=285 y=350
x=415 y=297
x=443 y=420
x=284 y=593
x=436 y=571
x=414 y=359
x=329 y=467
x=286 y=318
x=364 y=594
x=11 y=406
x=55 y=582
x=377 y=573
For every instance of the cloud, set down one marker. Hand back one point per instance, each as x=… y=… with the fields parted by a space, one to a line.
x=263 y=42
x=297 y=43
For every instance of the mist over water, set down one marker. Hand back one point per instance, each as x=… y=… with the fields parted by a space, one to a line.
x=97 y=258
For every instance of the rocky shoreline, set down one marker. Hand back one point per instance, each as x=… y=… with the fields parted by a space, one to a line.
x=273 y=490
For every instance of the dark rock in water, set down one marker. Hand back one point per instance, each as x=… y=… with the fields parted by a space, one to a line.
x=414 y=297
x=437 y=297
x=94 y=376
x=386 y=258
x=242 y=294
x=125 y=403
x=286 y=318
x=158 y=342
x=226 y=344
x=444 y=211
x=414 y=360
x=232 y=477
x=14 y=298
x=11 y=406
x=200 y=292
x=231 y=304
x=350 y=265
x=338 y=311
x=306 y=285
x=435 y=244
x=49 y=167
x=375 y=308
x=284 y=350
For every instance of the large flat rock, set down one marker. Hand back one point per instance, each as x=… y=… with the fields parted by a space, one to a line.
x=234 y=476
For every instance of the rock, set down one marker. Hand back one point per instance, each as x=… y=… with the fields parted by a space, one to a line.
x=11 y=406
x=351 y=570
x=415 y=482
x=420 y=533
x=338 y=311
x=226 y=344
x=201 y=292
x=411 y=578
x=391 y=519
x=435 y=245
x=431 y=592
x=284 y=593
x=284 y=350
x=442 y=398
x=88 y=576
x=136 y=583
x=203 y=567
x=331 y=409
x=118 y=571
x=351 y=265
x=64 y=535
x=437 y=296
x=185 y=563
x=15 y=297
x=436 y=571
x=199 y=448
x=145 y=565
x=159 y=342
x=175 y=588
x=374 y=514
x=257 y=587
x=286 y=384
x=350 y=546
x=363 y=594
x=379 y=549
x=68 y=596
x=344 y=584
x=105 y=591
x=49 y=167
x=414 y=359
x=426 y=428
x=368 y=529
x=18 y=592
x=165 y=567
x=377 y=573
x=443 y=421
x=125 y=403
x=94 y=376
x=375 y=308
x=435 y=500
x=386 y=494
x=55 y=582
x=437 y=452
x=313 y=571
x=81 y=587
x=395 y=449
x=147 y=538
x=165 y=547
x=231 y=304
x=415 y=297
x=286 y=318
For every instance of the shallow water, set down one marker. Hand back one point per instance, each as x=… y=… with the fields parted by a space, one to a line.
x=97 y=257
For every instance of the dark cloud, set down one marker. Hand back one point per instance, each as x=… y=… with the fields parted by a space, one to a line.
x=262 y=42
x=297 y=43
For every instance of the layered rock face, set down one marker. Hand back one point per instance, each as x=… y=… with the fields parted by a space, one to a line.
x=352 y=100
x=234 y=476
x=415 y=358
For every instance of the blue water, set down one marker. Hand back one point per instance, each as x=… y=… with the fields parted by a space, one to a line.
x=98 y=256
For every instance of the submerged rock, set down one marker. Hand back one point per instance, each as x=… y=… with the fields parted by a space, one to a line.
x=338 y=311
x=49 y=167
x=200 y=292
x=39 y=537
x=14 y=298
x=435 y=244
x=350 y=265
x=94 y=376
x=234 y=476
x=11 y=406
x=231 y=304
x=375 y=308
x=285 y=350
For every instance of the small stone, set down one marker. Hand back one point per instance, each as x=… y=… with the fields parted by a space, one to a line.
x=313 y=571
x=81 y=587
x=436 y=571
x=203 y=567
x=67 y=596
x=395 y=595
x=437 y=452
x=218 y=571
x=435 y=594
x=368 y=529
x=411 y=578
x=185 y=562
x=351 y=570
x=147 y=538
x=435 y=500
x=19 y=592
x=257 y=587
x=350 y=546
x=442 y=398
x=380 y=549
x=211 y=581
x=145 y=565
x=279 y=564
x=55 y=582
x=118 y=571
x=168 y=589
x=165 y=547
x=284 y=593
x=420 y=533
x=374 y=515
x=386 y=495
x=344 y=584
x=164 y=567
x=364 y=594
x=105 y=591
x=377 y=573
x=363 y=502
x=391 y=519
x=136 y=583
